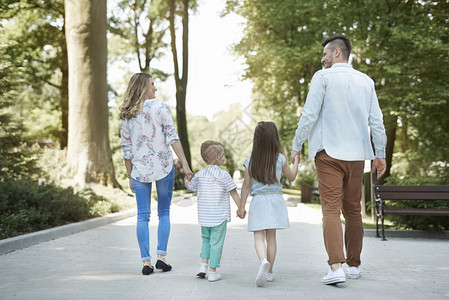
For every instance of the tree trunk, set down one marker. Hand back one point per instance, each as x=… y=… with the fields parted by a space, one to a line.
x=89 y=153
x=181 y=121
x=181 y=82
x=64 y=95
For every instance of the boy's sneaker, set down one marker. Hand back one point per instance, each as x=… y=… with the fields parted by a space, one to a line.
x=202 y=272
x=353 y=272
x=261 y=278
x=334 y=277
x=213 y=276
x=270 y=277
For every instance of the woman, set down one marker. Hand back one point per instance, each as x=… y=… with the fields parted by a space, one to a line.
x=147 y=130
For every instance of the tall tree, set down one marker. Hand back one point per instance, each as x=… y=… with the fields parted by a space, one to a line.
x=89 y=153
x=181 y=79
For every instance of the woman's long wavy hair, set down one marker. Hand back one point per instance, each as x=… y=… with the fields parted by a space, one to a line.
x=135 y=95
x=266 y=148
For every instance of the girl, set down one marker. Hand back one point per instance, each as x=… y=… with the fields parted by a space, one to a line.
x=147 y=130
x=267 y=211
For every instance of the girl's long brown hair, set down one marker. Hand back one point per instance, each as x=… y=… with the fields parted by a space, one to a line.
x=266 y=148
x=135 y=95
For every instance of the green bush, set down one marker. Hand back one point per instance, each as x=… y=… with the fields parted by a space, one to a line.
x=26 y=206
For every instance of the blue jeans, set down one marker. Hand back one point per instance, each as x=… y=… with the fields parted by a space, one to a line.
x=164 y=189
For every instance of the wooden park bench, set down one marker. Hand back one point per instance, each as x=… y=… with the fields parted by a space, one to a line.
x=393 y=192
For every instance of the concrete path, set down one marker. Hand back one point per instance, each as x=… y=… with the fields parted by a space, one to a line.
x=103 y=263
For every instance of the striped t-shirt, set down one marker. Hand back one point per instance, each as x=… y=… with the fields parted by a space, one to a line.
x=212 y=185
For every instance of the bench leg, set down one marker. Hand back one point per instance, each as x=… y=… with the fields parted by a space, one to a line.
x=383 y=230
x=377 y=227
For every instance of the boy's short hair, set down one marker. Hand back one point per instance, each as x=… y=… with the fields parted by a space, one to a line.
x=209 y=149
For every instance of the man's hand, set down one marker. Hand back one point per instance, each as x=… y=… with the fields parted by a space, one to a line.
x=294 y=154
x=380 y=165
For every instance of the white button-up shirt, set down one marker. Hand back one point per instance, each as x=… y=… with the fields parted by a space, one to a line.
x=146 y=141
x=212 y=185
x=340 y=106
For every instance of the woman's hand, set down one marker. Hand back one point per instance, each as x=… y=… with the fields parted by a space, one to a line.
x=131 y=187
x=188 y=173
x=177 y=147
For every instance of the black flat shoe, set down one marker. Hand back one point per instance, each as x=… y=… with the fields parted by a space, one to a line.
x=147 y=270
x=160 y=265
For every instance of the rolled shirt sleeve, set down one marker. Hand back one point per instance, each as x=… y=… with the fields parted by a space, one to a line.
x=376 y=125
x=168 y=128
x=125 y=135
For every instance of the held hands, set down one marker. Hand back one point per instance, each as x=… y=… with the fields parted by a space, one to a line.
x=295 y=155
x=380 y=165
x=188 y=173
x=241 y=213
x=296 y=160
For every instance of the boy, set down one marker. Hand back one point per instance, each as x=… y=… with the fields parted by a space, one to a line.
x=213 y=186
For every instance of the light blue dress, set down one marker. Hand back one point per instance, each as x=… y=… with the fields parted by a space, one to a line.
x=267 y=209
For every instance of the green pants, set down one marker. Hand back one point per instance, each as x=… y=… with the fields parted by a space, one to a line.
x=213 y=240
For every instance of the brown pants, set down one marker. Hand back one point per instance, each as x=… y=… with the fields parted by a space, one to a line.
x=340 y=187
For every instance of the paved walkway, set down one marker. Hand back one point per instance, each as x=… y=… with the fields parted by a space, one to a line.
x=103 y=263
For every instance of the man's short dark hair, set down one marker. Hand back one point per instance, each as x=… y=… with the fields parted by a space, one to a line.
x=339 y=41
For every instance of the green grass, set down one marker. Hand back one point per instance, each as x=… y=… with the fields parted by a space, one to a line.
x=178 y=193
x=291 y=192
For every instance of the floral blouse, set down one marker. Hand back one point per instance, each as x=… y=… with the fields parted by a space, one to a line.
x=146 y=141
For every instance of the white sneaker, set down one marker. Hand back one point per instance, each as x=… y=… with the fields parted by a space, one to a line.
x=353 y=272
x=213 y=276
x=270 y=277
x=202 y=272
x=261 y=278
x=334 y=277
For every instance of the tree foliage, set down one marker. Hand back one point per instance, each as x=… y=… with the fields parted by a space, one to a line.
x=402 y=45
x=32 y=37
x=17 y=158
x=141 y=27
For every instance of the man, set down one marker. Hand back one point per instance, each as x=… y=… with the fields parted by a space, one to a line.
x=339 y=108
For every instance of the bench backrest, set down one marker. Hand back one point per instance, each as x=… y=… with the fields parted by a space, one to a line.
x=405 y=192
